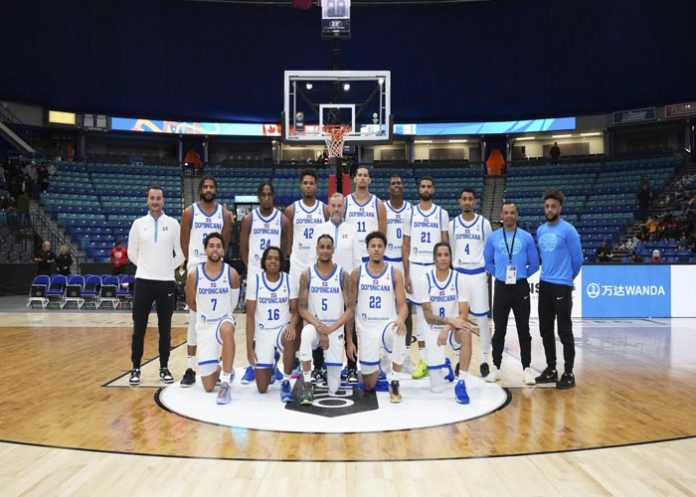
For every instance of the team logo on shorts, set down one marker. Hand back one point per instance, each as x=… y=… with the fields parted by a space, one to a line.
x=347 y=400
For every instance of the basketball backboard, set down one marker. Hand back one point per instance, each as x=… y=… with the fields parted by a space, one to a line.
x=314 y=101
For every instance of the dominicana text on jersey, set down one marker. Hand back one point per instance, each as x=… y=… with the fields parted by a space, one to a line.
x=203 y=224
x=376 y=302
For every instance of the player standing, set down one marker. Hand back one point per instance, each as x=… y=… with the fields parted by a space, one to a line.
x=197 y=221
x=424 y=227
x=468 y=234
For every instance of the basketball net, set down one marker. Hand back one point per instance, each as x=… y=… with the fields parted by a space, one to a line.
x=337 y=136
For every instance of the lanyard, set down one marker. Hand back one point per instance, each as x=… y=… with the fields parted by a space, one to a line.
x=510 y=248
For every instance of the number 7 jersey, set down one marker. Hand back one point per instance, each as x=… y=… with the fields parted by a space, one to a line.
x=467 y=240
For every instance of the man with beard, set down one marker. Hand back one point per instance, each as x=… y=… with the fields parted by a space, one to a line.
x=153 y=246
x=198 y=220
x=424 y=227
x=468 y=234
x=561 y=260
x=212 y=291
x=367 y=213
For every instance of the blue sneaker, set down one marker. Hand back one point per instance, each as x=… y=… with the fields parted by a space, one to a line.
x=296 y=371
x=382 y=386
x=460 y=392
x=285 y=392
x=344 y=372
x=276 y=375
x=249 y=375
x=382 y=375
x=450 y=374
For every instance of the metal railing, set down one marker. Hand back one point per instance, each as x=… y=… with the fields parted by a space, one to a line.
x=46 y=230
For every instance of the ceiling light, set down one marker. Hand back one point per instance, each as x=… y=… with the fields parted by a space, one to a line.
x=561 y=136
x=525 y=138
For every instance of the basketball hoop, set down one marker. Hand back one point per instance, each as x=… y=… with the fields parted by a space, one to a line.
x=336 y=137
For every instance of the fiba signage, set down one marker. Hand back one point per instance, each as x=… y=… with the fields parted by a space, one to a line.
x=626 y=291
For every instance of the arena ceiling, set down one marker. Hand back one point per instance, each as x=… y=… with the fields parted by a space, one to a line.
x=481 y=60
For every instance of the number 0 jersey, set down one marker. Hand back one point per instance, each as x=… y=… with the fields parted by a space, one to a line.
x=395 y=230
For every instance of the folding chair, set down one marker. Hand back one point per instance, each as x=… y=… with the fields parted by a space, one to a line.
x=73 y=291
x=56 y=290
x=37 y=292
x=90 y=292
x=107 y=292
x=125 y=289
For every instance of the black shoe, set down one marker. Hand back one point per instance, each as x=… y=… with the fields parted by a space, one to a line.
x=319 y=376
x=567 y=381
x=547 y=376
x=166 y=376
x=134 y=377
x=352 y=375
x=189 y=378
x=484 y=369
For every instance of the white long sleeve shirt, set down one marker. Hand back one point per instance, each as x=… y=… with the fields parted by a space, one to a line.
x=154 y=247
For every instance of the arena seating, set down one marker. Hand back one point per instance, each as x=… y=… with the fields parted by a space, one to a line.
x=96 y=203
x=600 y=197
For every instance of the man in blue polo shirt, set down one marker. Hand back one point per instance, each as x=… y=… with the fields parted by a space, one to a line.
x=561 y=259
x=511 y=257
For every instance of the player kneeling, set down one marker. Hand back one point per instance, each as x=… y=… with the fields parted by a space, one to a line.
x=271 y=321
x=379 y=300
x=445 y=312
x=212 y=291
x=324 y=291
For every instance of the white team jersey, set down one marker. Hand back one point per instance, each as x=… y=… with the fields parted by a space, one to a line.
x=364 y=217
x=304 y=222
x=263 y=233
x=443 y=295
x=425 y=230
x=213 y=295
x=326 y=295
x=395 y=230
x=272 y=301
x=376 y=296
x=202 y=223
x=467 y=241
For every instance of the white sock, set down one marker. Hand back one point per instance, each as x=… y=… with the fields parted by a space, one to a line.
x=392 y=376
x=286 y=377
x=485 y=335
x=462 y=375
x=307 y=376
x=226 y=377
x=191 y=362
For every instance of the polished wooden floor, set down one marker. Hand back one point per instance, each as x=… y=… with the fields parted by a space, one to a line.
x=636 y=384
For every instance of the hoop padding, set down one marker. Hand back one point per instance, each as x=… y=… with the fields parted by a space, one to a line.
x=336 y=139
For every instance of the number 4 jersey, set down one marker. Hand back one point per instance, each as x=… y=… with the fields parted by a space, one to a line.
x=468 y=238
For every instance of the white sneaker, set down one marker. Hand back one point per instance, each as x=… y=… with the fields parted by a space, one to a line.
x=408 y=366
x=493 y=375
x=528 y=377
